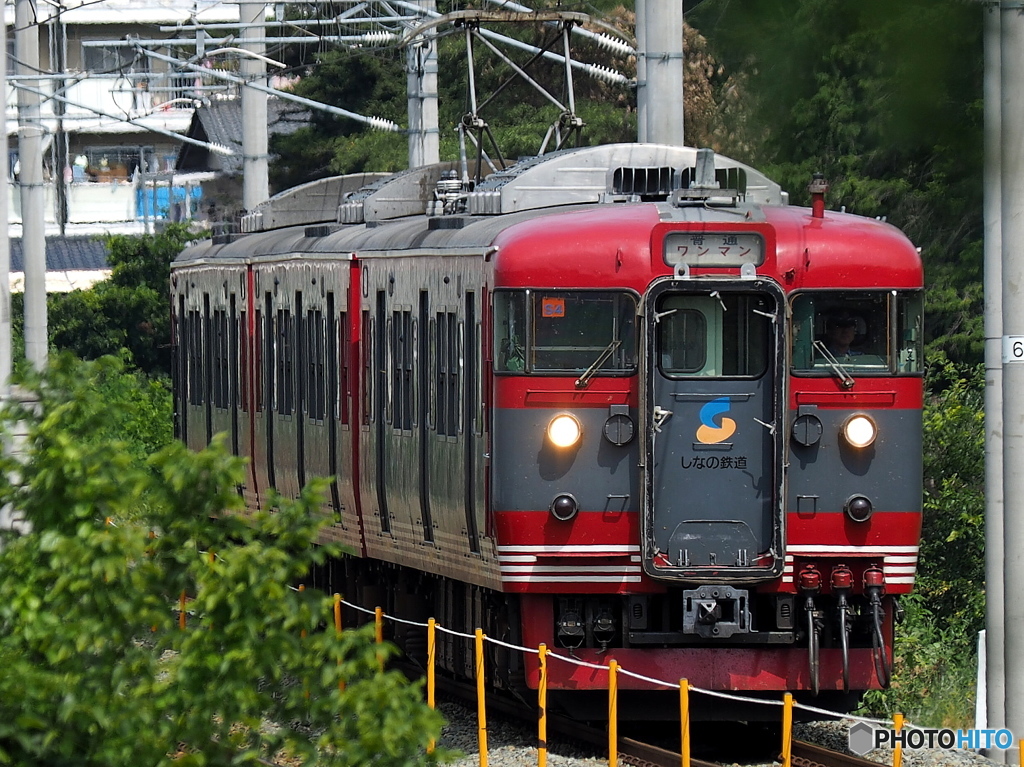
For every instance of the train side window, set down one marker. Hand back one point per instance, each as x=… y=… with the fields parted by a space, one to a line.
x=285 y=362
x=340 y=362
x=446 y=373
x=195 y=342
x=432 y=352
x=388 y=391
x=220 y=359
x=909 y=311
x=206 y=344
x=401 y=369
x=412 y=350
x=242 y=334
x=510 y=331
x=368 y=382
x=315 y=373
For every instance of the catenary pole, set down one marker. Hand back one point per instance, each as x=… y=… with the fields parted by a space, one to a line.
x=30 y=178
x=659 y=71
x=1012 y=206
x=255 y=178
x=994 y=592
x=421 y=84
x=5 y=255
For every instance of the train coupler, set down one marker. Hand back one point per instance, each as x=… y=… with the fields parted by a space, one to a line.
x=716 y=612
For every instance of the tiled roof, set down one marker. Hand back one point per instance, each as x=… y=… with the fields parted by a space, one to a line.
x=220 y=122
x=66 y=254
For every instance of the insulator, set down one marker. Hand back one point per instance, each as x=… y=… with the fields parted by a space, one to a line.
x=614 y=44
x=382 y=124
x=607 y=74
x=378 y=37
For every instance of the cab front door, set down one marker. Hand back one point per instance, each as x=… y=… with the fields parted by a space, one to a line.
x=713 y=443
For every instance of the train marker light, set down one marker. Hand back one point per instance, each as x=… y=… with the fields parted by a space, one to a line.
x=860 y=431
x=564 y=507
x=564 y=430
x=859 y=508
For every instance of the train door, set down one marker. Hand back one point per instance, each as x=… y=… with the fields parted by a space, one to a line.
x=713 y=389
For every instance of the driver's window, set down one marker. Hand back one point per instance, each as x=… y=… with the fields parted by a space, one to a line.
x=854 y=330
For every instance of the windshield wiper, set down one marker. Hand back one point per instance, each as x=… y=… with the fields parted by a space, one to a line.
x=845 y=379
x=584 y=379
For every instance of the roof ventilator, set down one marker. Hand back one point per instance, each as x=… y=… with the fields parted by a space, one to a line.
x=636 y=184
x=352 y=212
x=705 y=189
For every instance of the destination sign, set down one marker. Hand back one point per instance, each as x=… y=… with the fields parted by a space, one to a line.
x=697 y=249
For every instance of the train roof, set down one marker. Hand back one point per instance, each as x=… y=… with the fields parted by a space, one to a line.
x=614 y=192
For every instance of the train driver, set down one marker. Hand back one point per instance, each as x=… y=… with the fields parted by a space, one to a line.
x=840 y=332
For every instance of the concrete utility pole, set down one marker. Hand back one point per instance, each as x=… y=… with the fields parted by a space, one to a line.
x=659 y=71
x=994 y=588
x=33 y=201
x=255 y=177
x=5 y=252
x=421 y=86
x=1012 y=190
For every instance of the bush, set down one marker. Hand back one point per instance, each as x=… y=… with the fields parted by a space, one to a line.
x=96 y=671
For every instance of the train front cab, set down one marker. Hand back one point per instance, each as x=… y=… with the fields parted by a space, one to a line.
x=779 y=486
x=854 y=475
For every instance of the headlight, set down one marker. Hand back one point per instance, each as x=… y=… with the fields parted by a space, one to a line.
x=860 y=431
x=564 y=430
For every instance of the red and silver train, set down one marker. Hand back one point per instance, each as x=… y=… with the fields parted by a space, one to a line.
x=622 y=400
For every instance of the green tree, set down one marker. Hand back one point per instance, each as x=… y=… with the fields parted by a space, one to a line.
x=96 y=671
x=885 y=100
x=125 y=315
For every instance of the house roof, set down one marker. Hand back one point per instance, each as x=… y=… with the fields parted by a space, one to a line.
x=66 y=254
x=72 y=263
x=220 y=122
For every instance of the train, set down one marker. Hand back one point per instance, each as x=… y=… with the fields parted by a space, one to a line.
x=625 y=401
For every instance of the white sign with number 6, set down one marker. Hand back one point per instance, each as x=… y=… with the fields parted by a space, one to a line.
x=1013 y=349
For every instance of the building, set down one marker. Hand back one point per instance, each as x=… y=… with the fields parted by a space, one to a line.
x=110 y=144
x=72 y=263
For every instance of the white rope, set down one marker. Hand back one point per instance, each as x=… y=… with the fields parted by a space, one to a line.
x=642 y=678
x=631 y=674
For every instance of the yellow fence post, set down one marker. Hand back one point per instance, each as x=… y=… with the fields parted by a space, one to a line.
x=431 y=660
x=337 y=630
x=542 y=707
x=181 y=611
x=481 y=688
x=613 y=713
x=897 y=752
x=684 y=721
x=787 y=730
x=378 y=633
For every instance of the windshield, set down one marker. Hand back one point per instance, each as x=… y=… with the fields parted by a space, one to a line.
x=553 y=331
x=860 y=332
